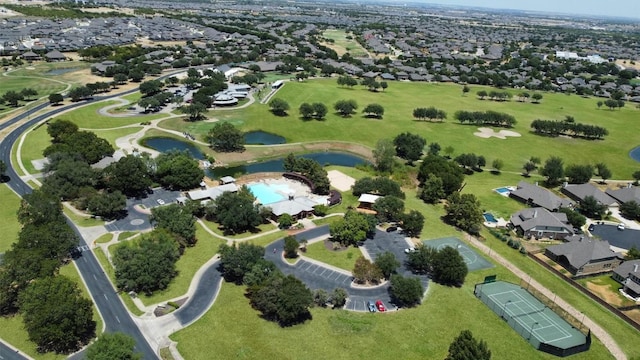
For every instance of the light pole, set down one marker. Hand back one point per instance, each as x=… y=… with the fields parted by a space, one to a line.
x=531 y=330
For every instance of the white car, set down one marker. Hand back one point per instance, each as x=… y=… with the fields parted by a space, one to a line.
x=621 y=226
x=160 y=202
x=409 y=250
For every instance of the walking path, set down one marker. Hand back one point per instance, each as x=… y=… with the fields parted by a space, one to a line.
x=596 y=329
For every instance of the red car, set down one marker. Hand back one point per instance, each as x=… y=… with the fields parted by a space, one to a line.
x=380 y=306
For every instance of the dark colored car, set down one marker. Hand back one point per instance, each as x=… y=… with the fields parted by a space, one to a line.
x=392 y=229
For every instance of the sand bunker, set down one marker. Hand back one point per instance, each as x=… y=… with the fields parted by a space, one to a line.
x=486 y=133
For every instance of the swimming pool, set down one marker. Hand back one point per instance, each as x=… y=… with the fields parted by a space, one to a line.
x=269 y=193
x=489 y=217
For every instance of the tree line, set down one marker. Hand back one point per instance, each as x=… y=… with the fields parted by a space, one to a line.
x=489 y=117
x=573 y=129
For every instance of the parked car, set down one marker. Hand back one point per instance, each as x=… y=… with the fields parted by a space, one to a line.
x=160 y=202
x=380 y=306
x=372 y=308
x=392 y=229
x=409 y=250
x=621 y=227
x=591 y=227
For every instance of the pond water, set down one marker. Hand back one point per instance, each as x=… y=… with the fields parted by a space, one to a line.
x=635 y=154
x=262 y=138
x=54 y=72
x=164 y=144
x=277 y=165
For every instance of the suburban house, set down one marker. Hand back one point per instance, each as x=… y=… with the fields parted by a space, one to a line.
x=298 y=207
x=535 y=195
x=541 y=223
x=578 y=192
x=55 y=55
x=211 y=193
x=630 y=193
x=628 y=274
x=583 y=255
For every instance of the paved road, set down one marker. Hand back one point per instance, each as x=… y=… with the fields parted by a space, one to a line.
x=7 y=353
x=202 y=299
x=113 y=312
x=318 y=276
x=138 y=221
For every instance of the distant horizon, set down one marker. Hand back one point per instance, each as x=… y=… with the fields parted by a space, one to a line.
x=629 y=9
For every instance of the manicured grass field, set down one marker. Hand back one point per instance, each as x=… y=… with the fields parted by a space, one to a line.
x=424 y=332
x=344 y=259
x=401 y=98
x=104 y=238
x=215 y=227
x=84 y=221
x=342 y=45
x=9 y=226
x=36 y=140
x=111 y=135
x=87 y=117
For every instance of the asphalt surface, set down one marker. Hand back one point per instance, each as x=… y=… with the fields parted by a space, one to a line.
x=137 y=221
x=114 y=314
x=201 y=300
x=316 y=276
x=7 y=353
x=624 y=239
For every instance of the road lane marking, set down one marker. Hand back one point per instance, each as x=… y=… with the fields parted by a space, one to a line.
x=118 y=319
x=105 y=296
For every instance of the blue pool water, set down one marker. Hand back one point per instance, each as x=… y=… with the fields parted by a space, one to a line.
x=268 y=194
x=503 y=190
x=489 y=217
x=635 y=153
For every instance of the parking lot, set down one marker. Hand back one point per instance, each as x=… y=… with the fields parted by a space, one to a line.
x=623 y=239
x=138 y=221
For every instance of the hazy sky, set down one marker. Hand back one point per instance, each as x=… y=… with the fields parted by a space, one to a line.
x=624 y=8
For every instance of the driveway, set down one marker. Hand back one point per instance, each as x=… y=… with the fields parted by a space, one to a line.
x=623 y=239
x=139 y=221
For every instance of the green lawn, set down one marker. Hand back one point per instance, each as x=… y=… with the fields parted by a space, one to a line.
x=87 y=117
x=84 y=221
x=36 y=140
x=343 y=45
x=612 y=286
x=215 y=227
x=9 y=226
x=424 y=332
x=344 y=259
x=401 y=98
x=111 y=135
x=192 y=259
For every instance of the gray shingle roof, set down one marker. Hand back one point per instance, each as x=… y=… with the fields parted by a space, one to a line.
x=539 y=196
x=626 y=194
x=528 y=219
x=581 y=191
x=580 y=253
x=626 y=268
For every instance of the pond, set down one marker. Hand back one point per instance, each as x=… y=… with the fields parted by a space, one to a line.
x=54 y=72
x=277 y=165
x=635 y=154
x=165 y=144
x=259 y=137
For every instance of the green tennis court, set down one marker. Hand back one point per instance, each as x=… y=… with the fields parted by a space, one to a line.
x=473 y=260
x=534 y=321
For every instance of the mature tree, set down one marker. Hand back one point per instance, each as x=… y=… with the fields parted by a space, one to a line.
x=238 y=260
x=91 y=147
x=482 y=94
x=405 y=291
x=178 y=170
x=28 y=93
x=432 y=190
x=383 y=156
x=579 y=174
x=387 y=263
x=80 y=93
x=353 y=228
x=528 y=167
x=306 y=111
x=409 y=146
x=55 y=99
x=320 y=297
x=345 y=107
x=311 y=169
x=374 y=110
x=236 y=212
x=283 y=299
x=434 y=148
x=420 y=260
x=630 y=210
x=194 y=110
x=338 y=297
x=448 y=267
x=291 y=246
x=52 y=240
x=382 y=186
x=56 y=315
x=108 y=205
x=148 y=264
x=113 y=346
x=366 y=271
x=178 y=221
x=412 y=223
x=130 y=175
x=553 y=169
x=60 y=130
x=602 y=170
x=464 y=211
x=320 y=110
x=151 y=87
x=497 y=165
x=39 y=207
x=148 y=103
x=67 y=175
x=451 y=174
x=279 y=107
x=536 y=97
x=224 y=137
x=388 y=208
x=599 y=104
x=384 y=85
x=632 y=254
x=468 y=161
x=121 y=79
x=636 y=176
x=12 y=98
x=466 y=347
x=285 y=221
x=465 y=90
x=591 y=207
x=576 y=219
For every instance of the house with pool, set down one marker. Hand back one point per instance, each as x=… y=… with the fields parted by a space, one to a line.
x=541 y=223
x=534 y=195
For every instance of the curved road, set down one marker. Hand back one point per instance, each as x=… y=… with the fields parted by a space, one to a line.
x=113 y=312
